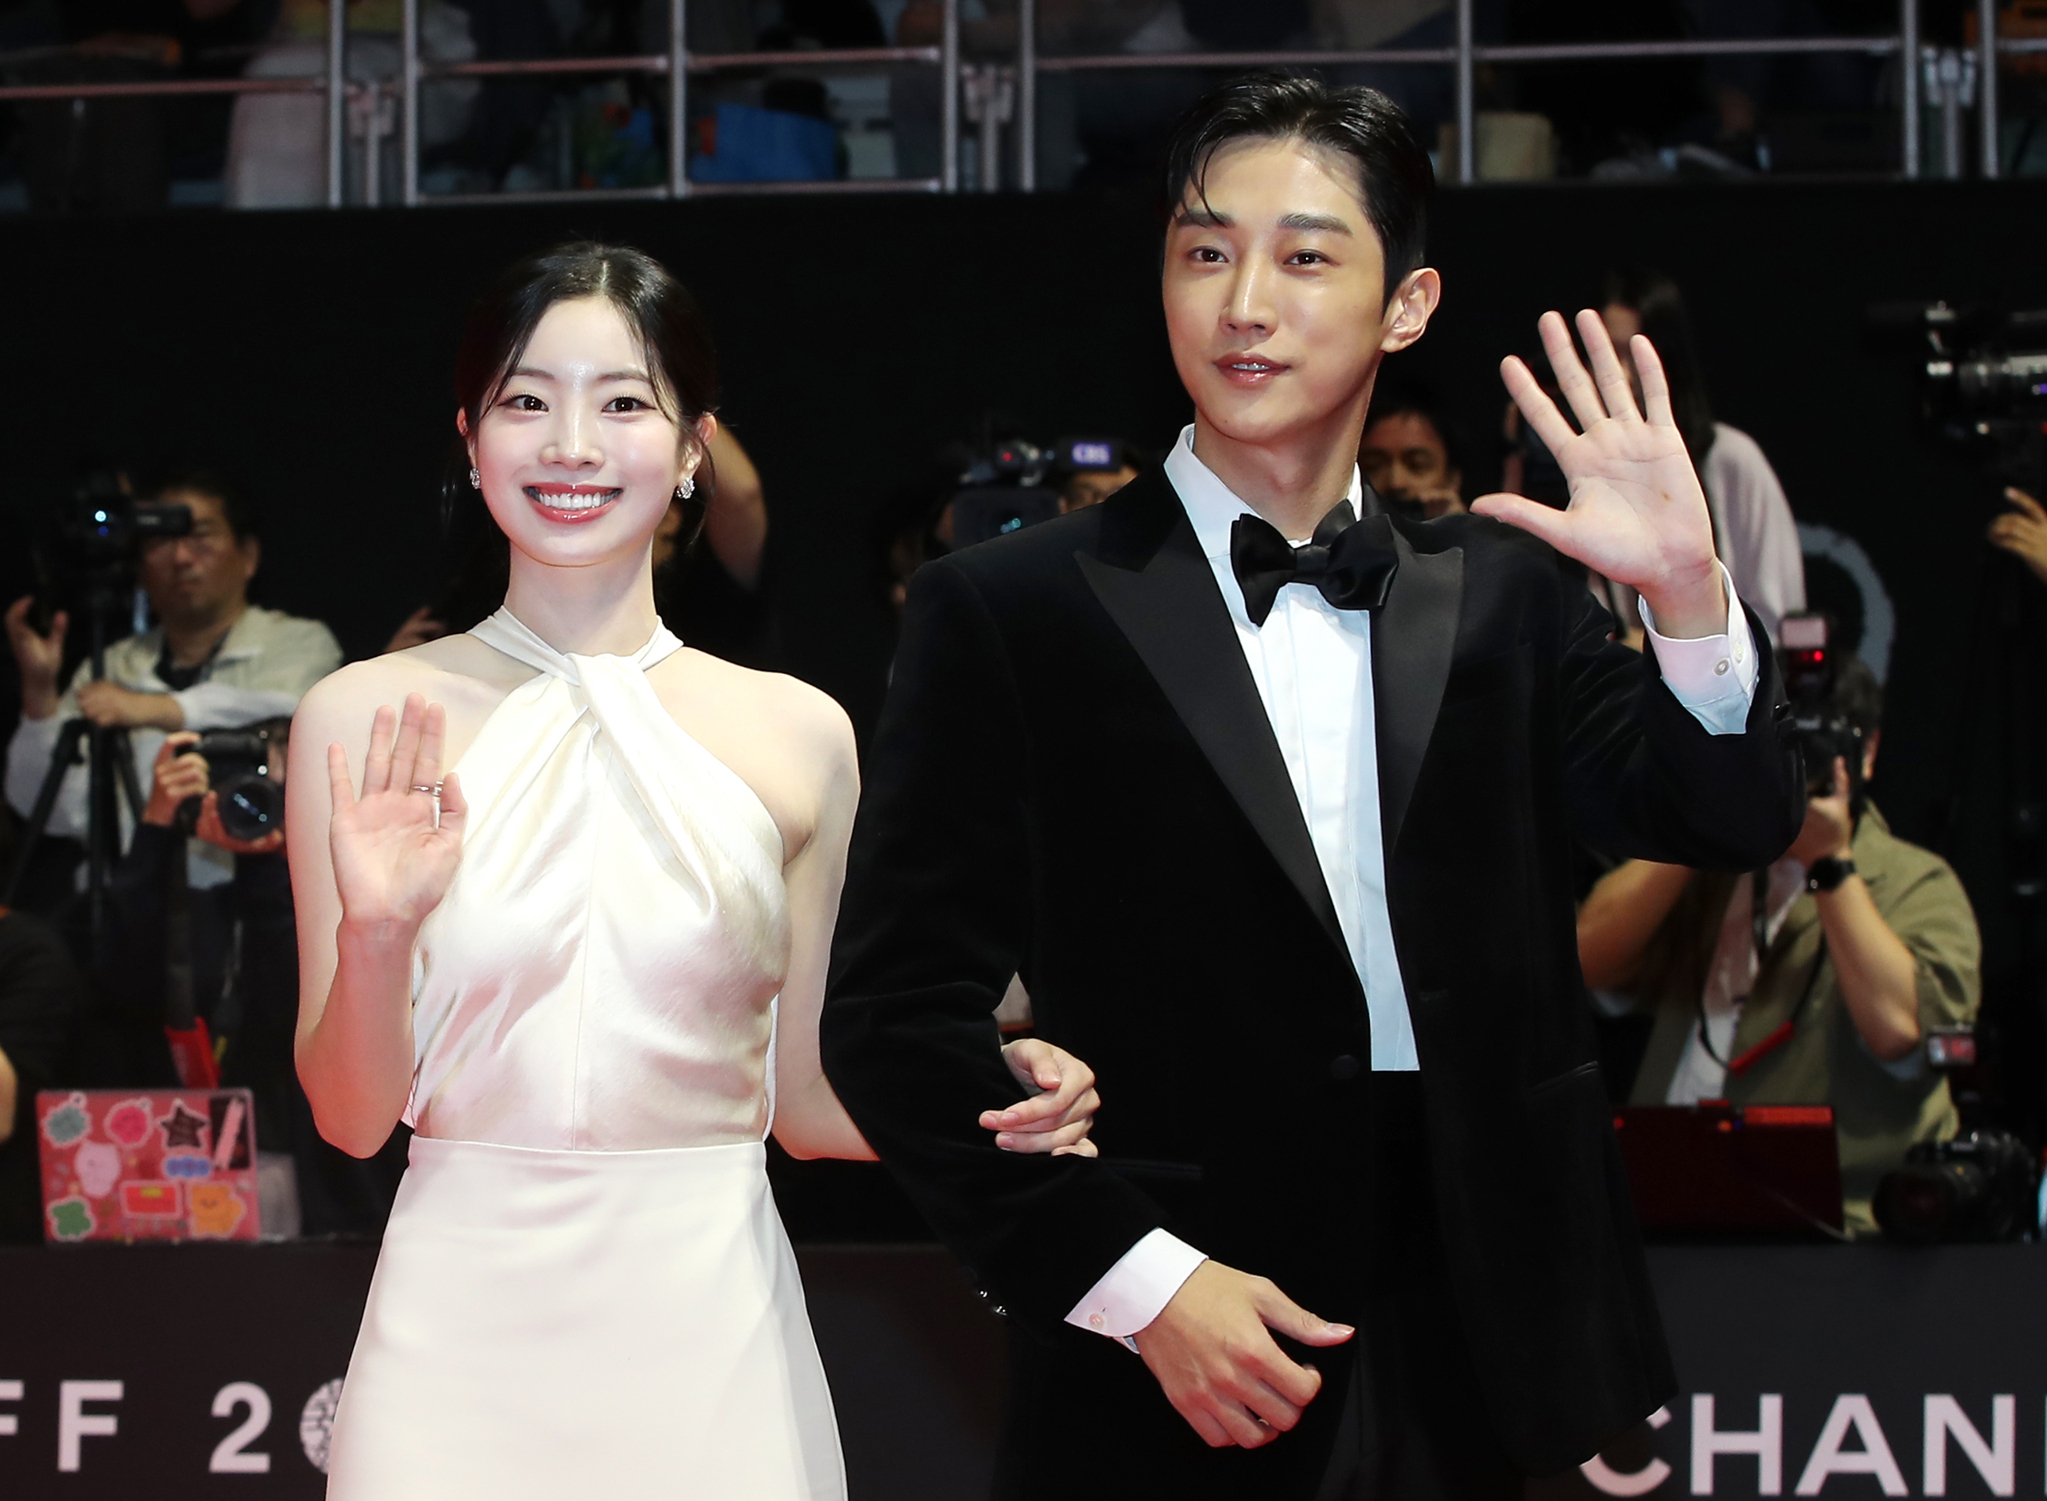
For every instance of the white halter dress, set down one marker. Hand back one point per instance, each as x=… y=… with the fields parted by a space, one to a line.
x=584 y=1289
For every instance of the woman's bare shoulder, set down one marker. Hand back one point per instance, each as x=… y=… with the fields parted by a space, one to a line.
x=452 y=670
x=786 y=707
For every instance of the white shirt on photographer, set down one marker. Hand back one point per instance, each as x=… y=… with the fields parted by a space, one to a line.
x=264 y=666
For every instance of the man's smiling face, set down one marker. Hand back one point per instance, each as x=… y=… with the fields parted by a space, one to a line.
x=1275 y=292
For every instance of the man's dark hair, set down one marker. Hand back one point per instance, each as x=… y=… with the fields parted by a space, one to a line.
x=1395 y=177
x=1419 y=401
x=1857 y=696
x=236 y=509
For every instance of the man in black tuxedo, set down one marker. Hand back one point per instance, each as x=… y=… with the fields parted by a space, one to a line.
x=1273 y=812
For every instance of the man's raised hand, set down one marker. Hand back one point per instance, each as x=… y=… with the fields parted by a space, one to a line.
x=1637 y=514
x=1212 y=1351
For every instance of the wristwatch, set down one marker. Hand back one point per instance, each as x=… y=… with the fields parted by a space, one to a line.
x=1827 y=873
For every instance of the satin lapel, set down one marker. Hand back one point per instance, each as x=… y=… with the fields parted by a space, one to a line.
x=1171 y=612
x=1413 y=635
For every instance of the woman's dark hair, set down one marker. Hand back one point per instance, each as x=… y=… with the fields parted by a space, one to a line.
x=1394 y=175
x=663 y=317
x=1656 y=300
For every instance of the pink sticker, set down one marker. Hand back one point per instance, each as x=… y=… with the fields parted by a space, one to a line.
x=98 y=1165
x=129 y=1122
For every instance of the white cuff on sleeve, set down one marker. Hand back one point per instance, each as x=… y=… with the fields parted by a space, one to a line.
x=1137 y=1288
x=1714 y=677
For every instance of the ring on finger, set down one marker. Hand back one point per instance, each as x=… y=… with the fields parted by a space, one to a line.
x=433 y=790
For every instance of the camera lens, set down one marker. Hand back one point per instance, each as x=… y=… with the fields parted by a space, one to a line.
x=251 y=805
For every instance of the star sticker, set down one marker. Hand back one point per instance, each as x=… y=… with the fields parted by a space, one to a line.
x=181 y=1128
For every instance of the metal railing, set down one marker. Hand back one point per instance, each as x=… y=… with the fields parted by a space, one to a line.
x=993 y=96
x=1936 y=72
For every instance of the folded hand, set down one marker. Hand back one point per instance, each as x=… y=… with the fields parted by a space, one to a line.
x=1058 y=1118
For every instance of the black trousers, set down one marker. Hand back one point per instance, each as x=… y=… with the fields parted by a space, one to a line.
x=1412 y=1425
x=1399 y=1418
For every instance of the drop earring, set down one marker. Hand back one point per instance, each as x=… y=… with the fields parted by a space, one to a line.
x=686 y=489
x=475 y=480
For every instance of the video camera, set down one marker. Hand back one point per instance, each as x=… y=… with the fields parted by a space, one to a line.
x=87 y=556
x=1809 y=665
x=1981 y=1186
x=1015 y=484
x=251 y=802
x=1982 y=376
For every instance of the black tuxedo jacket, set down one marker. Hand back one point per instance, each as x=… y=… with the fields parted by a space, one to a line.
x=1074 y=779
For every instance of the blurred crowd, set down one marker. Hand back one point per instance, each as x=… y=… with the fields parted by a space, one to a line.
x=777 y=118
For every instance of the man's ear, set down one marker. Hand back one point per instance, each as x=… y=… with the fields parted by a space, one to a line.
x=252 y=557
x=1409 y=310
x=1869 y=755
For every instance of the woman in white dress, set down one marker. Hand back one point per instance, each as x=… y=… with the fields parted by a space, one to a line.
x=586 y=968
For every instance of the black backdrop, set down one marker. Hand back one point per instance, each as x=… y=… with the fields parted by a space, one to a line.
x=310 y=353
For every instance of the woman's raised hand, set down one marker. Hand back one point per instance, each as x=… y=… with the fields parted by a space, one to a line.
x=395 y=847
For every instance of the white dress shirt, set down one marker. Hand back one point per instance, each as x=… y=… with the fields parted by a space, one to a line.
x=1312 y=665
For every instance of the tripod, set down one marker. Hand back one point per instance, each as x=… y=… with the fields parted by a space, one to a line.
x=109 y=760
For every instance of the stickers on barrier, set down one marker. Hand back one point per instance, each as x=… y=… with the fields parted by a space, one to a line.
x=98 y=1165
x=128 y=1122
x=182 y=1128
x=151 y=1199
x=67 y=1122
x=71 y=1219
x=159 y=1165
x=216 y=1209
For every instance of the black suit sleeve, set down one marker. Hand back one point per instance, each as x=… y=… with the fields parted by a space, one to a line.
x=1644 y=779
x=936 y=918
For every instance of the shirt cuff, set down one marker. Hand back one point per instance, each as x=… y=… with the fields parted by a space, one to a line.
x=1137 y=1288
x=1714 y=677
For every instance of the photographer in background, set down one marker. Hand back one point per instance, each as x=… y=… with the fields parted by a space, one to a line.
x=226 y=958
x=1111 y=464
x=1410 y=453
x=212 y=661
x=1820 y=991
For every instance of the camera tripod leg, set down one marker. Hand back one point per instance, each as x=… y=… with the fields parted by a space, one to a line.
x=124 y=768
x=67 y=753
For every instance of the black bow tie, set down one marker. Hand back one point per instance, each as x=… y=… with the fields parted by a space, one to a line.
x=1352 y=564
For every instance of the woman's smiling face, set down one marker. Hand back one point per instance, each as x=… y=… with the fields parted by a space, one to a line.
x=579 y=454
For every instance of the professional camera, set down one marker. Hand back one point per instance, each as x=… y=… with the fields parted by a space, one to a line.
x=1006 y=488
x=85 y=550
x=1980 y=367
x=102 y=524
x=1978 y=1187
x=238 y=768
x=1810 y=673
